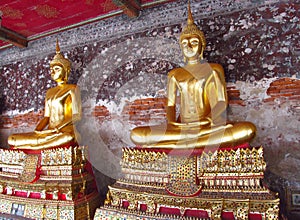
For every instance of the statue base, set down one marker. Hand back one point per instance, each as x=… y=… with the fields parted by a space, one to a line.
x=55 y=183
x=183 y=184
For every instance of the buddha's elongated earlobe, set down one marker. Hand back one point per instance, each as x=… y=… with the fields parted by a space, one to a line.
x=201 y=55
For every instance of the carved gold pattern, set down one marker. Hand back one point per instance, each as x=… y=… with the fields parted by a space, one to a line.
x=50 y=209
x=64 y=190
x=231 y=181
x=47 y=11
x=236 y=171
x=134 y=163
x=30 y=166
x=182 y=181
x=12 y=157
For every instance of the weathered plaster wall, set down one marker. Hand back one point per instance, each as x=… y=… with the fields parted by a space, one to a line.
x=121 y=66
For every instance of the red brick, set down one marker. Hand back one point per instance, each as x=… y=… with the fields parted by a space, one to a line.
x=295 y=97
x=271 y=99
x=237 y=102
x=291 y=91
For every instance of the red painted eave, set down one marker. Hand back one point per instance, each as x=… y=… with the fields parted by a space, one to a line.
x=39 y=18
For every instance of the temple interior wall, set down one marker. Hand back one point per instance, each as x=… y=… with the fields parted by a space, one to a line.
x=121 y=66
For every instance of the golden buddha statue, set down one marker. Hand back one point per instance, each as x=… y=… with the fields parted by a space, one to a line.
x=62 y=110
x=203 y=102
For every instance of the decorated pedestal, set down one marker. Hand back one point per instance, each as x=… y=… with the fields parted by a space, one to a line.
x=191 y=184
x=55 y=183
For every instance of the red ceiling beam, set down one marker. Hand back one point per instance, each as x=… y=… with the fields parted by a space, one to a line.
x=130 y=7
x=13 y=37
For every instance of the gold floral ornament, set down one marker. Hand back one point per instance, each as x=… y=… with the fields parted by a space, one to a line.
x=47 y=11
x=9 y=12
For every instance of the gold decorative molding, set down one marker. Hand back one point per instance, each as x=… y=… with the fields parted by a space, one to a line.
x=47 y=184
x=222 y=180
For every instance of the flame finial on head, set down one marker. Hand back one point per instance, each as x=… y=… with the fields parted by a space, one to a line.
x=190 y=16
x=57 y=47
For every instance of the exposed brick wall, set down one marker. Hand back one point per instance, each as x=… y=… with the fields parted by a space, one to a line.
x=101 y=113
x=32 y=118
x=146 y=109
x=234 y=96
x=143 y=110
x=285 y=87
x=22 y=120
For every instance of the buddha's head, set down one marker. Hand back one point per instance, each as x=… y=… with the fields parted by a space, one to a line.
x=192 y=40
x=60 y=67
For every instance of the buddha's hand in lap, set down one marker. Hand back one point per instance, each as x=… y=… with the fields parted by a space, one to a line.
x=49 y=131
x=204 y=122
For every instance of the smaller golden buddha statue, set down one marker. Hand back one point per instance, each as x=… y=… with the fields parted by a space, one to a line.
x=62 y=110
x=203 y=102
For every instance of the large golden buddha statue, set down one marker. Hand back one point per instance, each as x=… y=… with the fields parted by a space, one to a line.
x=203 y=102
x=62 y=110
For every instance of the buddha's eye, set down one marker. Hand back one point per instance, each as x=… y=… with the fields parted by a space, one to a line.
x=57 y=68
x=184 y=42
x=194 y=41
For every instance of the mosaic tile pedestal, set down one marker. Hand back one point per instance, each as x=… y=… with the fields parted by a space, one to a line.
x=56 y=183
x=191 y=184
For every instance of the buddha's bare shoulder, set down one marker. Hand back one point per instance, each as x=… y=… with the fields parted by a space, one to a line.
x=72 y=86
x=217 y=67
x=67 y=87
x=174 y=72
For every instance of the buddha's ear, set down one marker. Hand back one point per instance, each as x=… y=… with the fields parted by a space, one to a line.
x=203 y=46
x=181 y=48
x=201 y=52
x=68 y=70
x=201 y=55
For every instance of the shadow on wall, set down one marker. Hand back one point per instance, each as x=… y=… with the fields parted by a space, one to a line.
x=2 y=103
x=3 y=108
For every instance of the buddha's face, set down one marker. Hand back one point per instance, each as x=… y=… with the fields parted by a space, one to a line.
x=57 y=73
x=191 y=47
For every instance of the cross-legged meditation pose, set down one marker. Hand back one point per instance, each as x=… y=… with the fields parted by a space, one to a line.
x=203 y=101
x=62 y=110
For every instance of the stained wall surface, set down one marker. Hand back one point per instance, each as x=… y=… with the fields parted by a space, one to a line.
x=121 y=66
